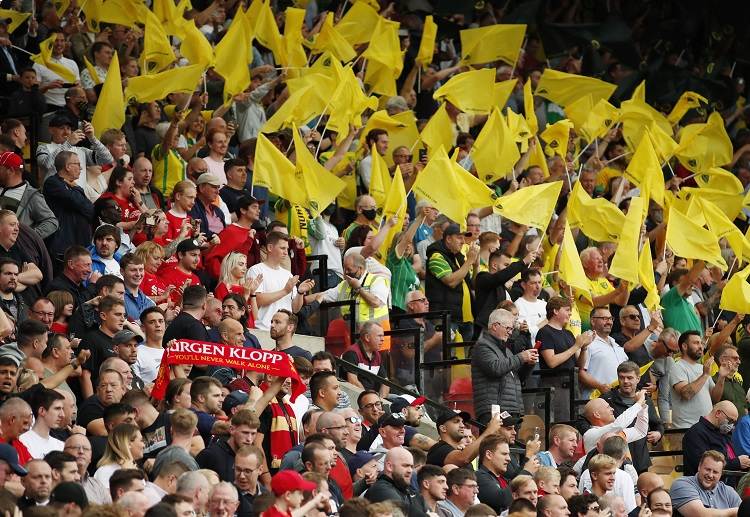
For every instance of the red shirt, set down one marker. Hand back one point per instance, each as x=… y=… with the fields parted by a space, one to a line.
x=221 y=292
x=130 y=212
x=24 y=456
x=153 y=285
x=340 y=474
x=174 y=276
x=175 y=225
x=59 y=328
x=275 y=512
x=233 y=238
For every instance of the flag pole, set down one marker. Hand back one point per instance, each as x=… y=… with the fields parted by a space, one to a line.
x=22 y=50
x=617 y=157
x=567 y=174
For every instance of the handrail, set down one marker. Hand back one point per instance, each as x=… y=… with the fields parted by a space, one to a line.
x=322 y=261
x=352 y=304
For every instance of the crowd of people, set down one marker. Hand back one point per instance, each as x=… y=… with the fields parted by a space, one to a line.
x=198 y=214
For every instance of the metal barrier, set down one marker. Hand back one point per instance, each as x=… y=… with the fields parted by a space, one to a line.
x=324 y=320
x=417 y=335
x=572 y=376
x=322 y=269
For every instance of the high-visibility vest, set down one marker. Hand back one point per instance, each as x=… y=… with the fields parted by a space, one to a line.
x=365 y=312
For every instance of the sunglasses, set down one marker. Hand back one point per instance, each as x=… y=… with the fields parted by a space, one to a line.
x=353 y=419
x=633 y=316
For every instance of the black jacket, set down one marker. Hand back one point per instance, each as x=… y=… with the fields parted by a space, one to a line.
x=704 y=436
x=441 y=296
x=490 y=290
x=385 y=490
x=74 y=214
x=218 y=457
x=639 y=449
x=490 y=491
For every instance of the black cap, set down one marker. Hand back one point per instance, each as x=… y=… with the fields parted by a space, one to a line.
x=234 y=399
x=60 y=119
x=450 y=415
x=454 y=229
x=69 y=492
x=187 y=245
x=510 y=420
x=394 y=420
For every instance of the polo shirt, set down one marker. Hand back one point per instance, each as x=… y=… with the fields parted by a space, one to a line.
x=597 y=287
x=604 y=356
x=687 y=489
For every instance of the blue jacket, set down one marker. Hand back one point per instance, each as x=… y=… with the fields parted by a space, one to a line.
x=96 y=261
x=199 y=212
x=741 y=436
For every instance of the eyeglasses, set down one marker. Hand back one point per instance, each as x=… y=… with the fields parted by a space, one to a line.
x=473 y=486
x=42 y=313
x=633 y=316
x=334 y=427
x=594 y=508
x=353 y=419
x=373 y=405
x=419 y=300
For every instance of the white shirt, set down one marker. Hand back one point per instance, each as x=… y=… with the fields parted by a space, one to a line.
x=623 y=487
x=147 y=365
x=532 y=313
x=273 y=280
x=620 y=425
x=56 y=96
x=602 y=361
x=111 y=267
x=364 y=171
x=327 y=245
x=39 y=446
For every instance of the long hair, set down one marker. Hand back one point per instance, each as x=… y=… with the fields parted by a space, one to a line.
x=229 y=262
x=117 y=450
x=118 y=175
x=174 y=388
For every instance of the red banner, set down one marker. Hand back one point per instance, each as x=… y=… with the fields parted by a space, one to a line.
x=186 y=351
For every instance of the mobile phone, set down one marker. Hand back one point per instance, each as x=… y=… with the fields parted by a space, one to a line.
x=422 y=154
x=537 y=430
x=495 y=409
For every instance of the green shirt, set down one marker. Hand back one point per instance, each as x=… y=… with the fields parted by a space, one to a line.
x=734 y=393
x=679 y=313
x=403 y=278
x=438 y=266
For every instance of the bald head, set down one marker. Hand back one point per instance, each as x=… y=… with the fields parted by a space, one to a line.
x=597 y=410
x=721 y=412
x=232 y=332
x=648 y=482
x=329 y=419
x=397 y=455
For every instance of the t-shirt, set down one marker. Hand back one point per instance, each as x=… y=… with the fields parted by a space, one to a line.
x=598 y=287
x=439 y=266
x=374 y=365
x=685 y=413
x=111 y=267
x=205 y=424
x=157 y=436
x=532 y=313
x=438 y=452
x=403 y=278
x=185 y=326
x=91 y=409
x=39 y=447
x=176 y=277
x=147 y=365
x=274 y=279
x=169 y=169
x=558 y=340
x=679 y=313
x=602 y=360
x=296 y=351
x=687 y=489
x=153 y=285
x=100 y=345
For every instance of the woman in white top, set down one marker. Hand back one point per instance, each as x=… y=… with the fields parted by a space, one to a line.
x=124 y=447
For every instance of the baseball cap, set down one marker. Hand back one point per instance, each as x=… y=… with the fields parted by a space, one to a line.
x=403 y=401
x=359 y=460
x=234 y=399
x=450 y=415
x=208 y=177
x=290 y=480
x=394 y=419
x=60 y=119
x=187 y=245
x=124 y=336
x=454 y=229
x=11 y=160
x=69 y=492
x=9 y=455
x=509 y=420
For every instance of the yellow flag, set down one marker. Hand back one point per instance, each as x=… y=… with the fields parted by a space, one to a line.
x=295 y=53
x=358 y=24
x=502 y=91
x=625 y=262
x=450 y=188
x=293 y=111
x=157 y=52
x=44 y=58
x=689 y=240
x=320 y=186
x=495 y=151
x=600 y=120
x=147 y=88
x=735 y=296
x=61 y=8
x=529 y=109
x=329 y=39
x=266 y=31
x=597 y=218
x=519 y=130
x=703 y=146
x=556 y=136
x=233 y=57
x=440 y=131
x=380 y=79
x=427 y=43
x=637 y=116
x=562 y=88
x=472 y=92
x=348 y=102
x=395 y=205
x=536 y=156
x=570 y=267
x=110 y=110
x=124 y=12
x=93 y=11
x=380 y=178
x=730 y=204
x=384 y=59
x=172 y=17
x=16 y=18
x=92 y=71
x=402 y=132
x=723 y=228
x=664 y=145
x=500 y=42
x=531 y=206
x=644 y=170
x=687 y=101
x=646 y=278
x=719 y=179
x=195 y=47
x=578 y=111
x=275 y=172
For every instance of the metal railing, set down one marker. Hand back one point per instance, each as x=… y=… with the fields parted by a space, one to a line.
x=322 y=269
x=324 y=320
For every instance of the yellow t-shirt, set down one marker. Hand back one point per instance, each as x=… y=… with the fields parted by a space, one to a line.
x=574 y=324
x=597 y=287
x=168 y=170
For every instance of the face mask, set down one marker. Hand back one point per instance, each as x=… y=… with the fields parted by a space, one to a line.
x=370 y=214
x=726 y=428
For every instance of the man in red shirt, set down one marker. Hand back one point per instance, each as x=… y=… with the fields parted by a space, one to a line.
x=239 y=236
x=182 y=274
x=288 y=487
x=15 y=419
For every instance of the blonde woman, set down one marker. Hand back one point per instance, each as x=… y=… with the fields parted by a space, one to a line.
x=232 y=280
x=153 y=257
x=124 y=448
x=183 y=200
